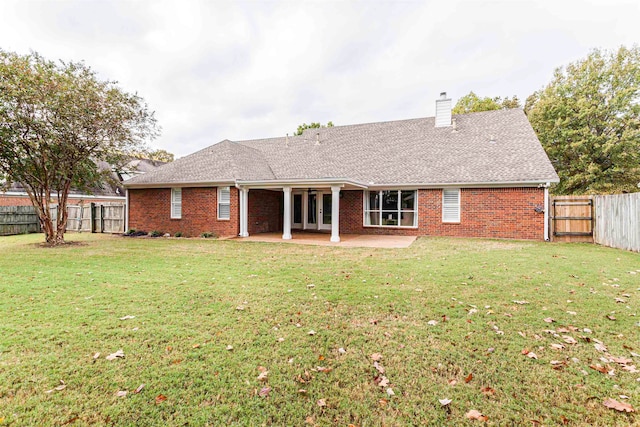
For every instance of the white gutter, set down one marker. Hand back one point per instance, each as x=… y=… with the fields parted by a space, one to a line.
x=301 y=183
x=546 y=212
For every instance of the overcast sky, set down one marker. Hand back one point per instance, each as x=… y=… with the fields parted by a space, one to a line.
x=215 y=70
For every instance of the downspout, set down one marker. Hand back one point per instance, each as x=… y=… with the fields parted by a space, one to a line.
x=126 y=210
x=546 y=211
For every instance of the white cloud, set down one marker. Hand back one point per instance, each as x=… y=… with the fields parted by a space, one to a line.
x=236 y=70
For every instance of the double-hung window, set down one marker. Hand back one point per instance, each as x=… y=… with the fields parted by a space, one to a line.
x=451 y=205
x=390 y=208
x=224 y=203
x=176 y=203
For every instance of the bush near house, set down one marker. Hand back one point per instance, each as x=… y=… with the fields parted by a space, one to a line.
x=239 y=333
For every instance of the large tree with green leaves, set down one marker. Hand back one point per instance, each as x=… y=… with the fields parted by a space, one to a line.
x=313 y=125
x=57 y=120
x=472 y=103
x=588 y=120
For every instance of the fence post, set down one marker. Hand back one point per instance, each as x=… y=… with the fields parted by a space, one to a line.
x=92 y=218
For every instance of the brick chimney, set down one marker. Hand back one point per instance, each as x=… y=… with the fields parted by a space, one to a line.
x=443 y=111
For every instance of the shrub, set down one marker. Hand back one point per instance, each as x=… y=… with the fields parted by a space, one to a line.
x=130 y=232
x=208 y=235
x=135 y=233
x=178 y=234
x=156 y=233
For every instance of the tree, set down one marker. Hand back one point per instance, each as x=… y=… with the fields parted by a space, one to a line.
x=472 y=103
x=304 y=126
x=57 y=120
x=588 y=120
x=160 y=155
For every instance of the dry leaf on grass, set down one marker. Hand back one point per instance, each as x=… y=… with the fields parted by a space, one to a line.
x=322 y=403
x=127 y=317
x=569 y=339
x=390 y=392
x=618 y=406
x=139 y=389
x=229 y=347
x=342 y=350
x=487 y=391
x=376 y=357
x=311 y=332
x=384 y=381
x=160 y=398
x=476 y=415
x=548 y=320
x=432 y=322
x=116 y=355
x=378 y=367
x=263 y=376
x=95 y=356
x=122 y=393
x=444 y=402
x=468 y=378
x=264 y=392
x=61 y=387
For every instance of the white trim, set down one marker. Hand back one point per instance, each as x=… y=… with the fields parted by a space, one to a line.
x=286 y=222
x=428 y=186
x=457 y=205
x=175 y=203
x=221 y=203
x=335 y=213
x=180 y=184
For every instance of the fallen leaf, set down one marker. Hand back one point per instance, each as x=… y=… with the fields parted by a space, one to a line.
x=621 y=360
x=384 y=381
x=548 y=320
x=95 y=356
x=618 y=406
x=311 y=332
x=390 y=392
x=600 y=347
x=468 y=378
x=630 y=368
x=264 y=392
x=444 y=402
x=139 y=389
x=61 y=387
x=114 y=356
x=302 y=392
x=453 y=382
x=599 y=368
x=309 y=420
x=342 y=350
x=532 y=355
x=378 y=367
x=322 y=403
x=196 y=346
x=569 y=340
x=557 y=346
x=127 y=317
x=263 y=376
x=383 y=402
x=476 y=415
x=160 y=398
x=323 y=369
x=229 y=347
x=611 y=317
x=121 y=393
x=432 y=322
x=376 y=357
x=487 y=391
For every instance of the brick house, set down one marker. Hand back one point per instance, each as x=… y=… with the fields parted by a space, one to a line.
x=473 y=175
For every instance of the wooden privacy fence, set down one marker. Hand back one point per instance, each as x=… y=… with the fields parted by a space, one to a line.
x=572 y=218
x=96 y=218
x=618 y=221
x=18 y=220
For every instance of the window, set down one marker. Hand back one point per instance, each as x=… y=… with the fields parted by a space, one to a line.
x=176 y=203
x=390 y=208
x=224 y=203
x=451 y=205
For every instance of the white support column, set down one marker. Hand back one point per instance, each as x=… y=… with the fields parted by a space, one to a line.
x=335 y=213
x=286 y=223
x=244 y=212
x=546 y=212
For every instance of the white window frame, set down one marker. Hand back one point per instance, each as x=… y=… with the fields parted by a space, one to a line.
x=176 y=203
x=224 y=203
x=366 y=210
x=448 y=205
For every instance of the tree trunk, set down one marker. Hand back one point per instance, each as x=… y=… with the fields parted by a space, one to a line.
x=61 y=222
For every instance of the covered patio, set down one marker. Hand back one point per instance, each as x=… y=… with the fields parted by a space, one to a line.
x=324 y=239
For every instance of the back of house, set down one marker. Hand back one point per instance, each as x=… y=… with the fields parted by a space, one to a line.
x=473 y=175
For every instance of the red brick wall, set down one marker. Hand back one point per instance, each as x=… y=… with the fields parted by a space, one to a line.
x=265 y=211
x=484 y=212
x=150 y=209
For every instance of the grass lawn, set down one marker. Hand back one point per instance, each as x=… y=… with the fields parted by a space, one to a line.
x=193 y=298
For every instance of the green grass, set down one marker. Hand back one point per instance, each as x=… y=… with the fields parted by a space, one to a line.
x=58 y=307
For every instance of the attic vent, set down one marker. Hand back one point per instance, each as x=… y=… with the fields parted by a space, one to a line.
x=492 y=139
x=318 y=138
x=443 y=111
x=286 y=140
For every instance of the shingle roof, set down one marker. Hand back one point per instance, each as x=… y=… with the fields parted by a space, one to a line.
x=396 y=152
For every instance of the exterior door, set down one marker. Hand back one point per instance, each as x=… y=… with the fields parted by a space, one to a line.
x=324 y=211
x=311 y=211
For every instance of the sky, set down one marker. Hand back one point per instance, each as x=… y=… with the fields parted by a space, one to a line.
x=215 y=70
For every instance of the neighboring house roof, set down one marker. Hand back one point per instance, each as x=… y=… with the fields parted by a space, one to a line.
x=491 y=147
x=111 y=186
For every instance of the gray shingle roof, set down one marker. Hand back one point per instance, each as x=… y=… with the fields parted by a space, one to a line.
x=396 y=152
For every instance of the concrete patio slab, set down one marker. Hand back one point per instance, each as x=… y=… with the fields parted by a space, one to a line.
x=346 y=240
